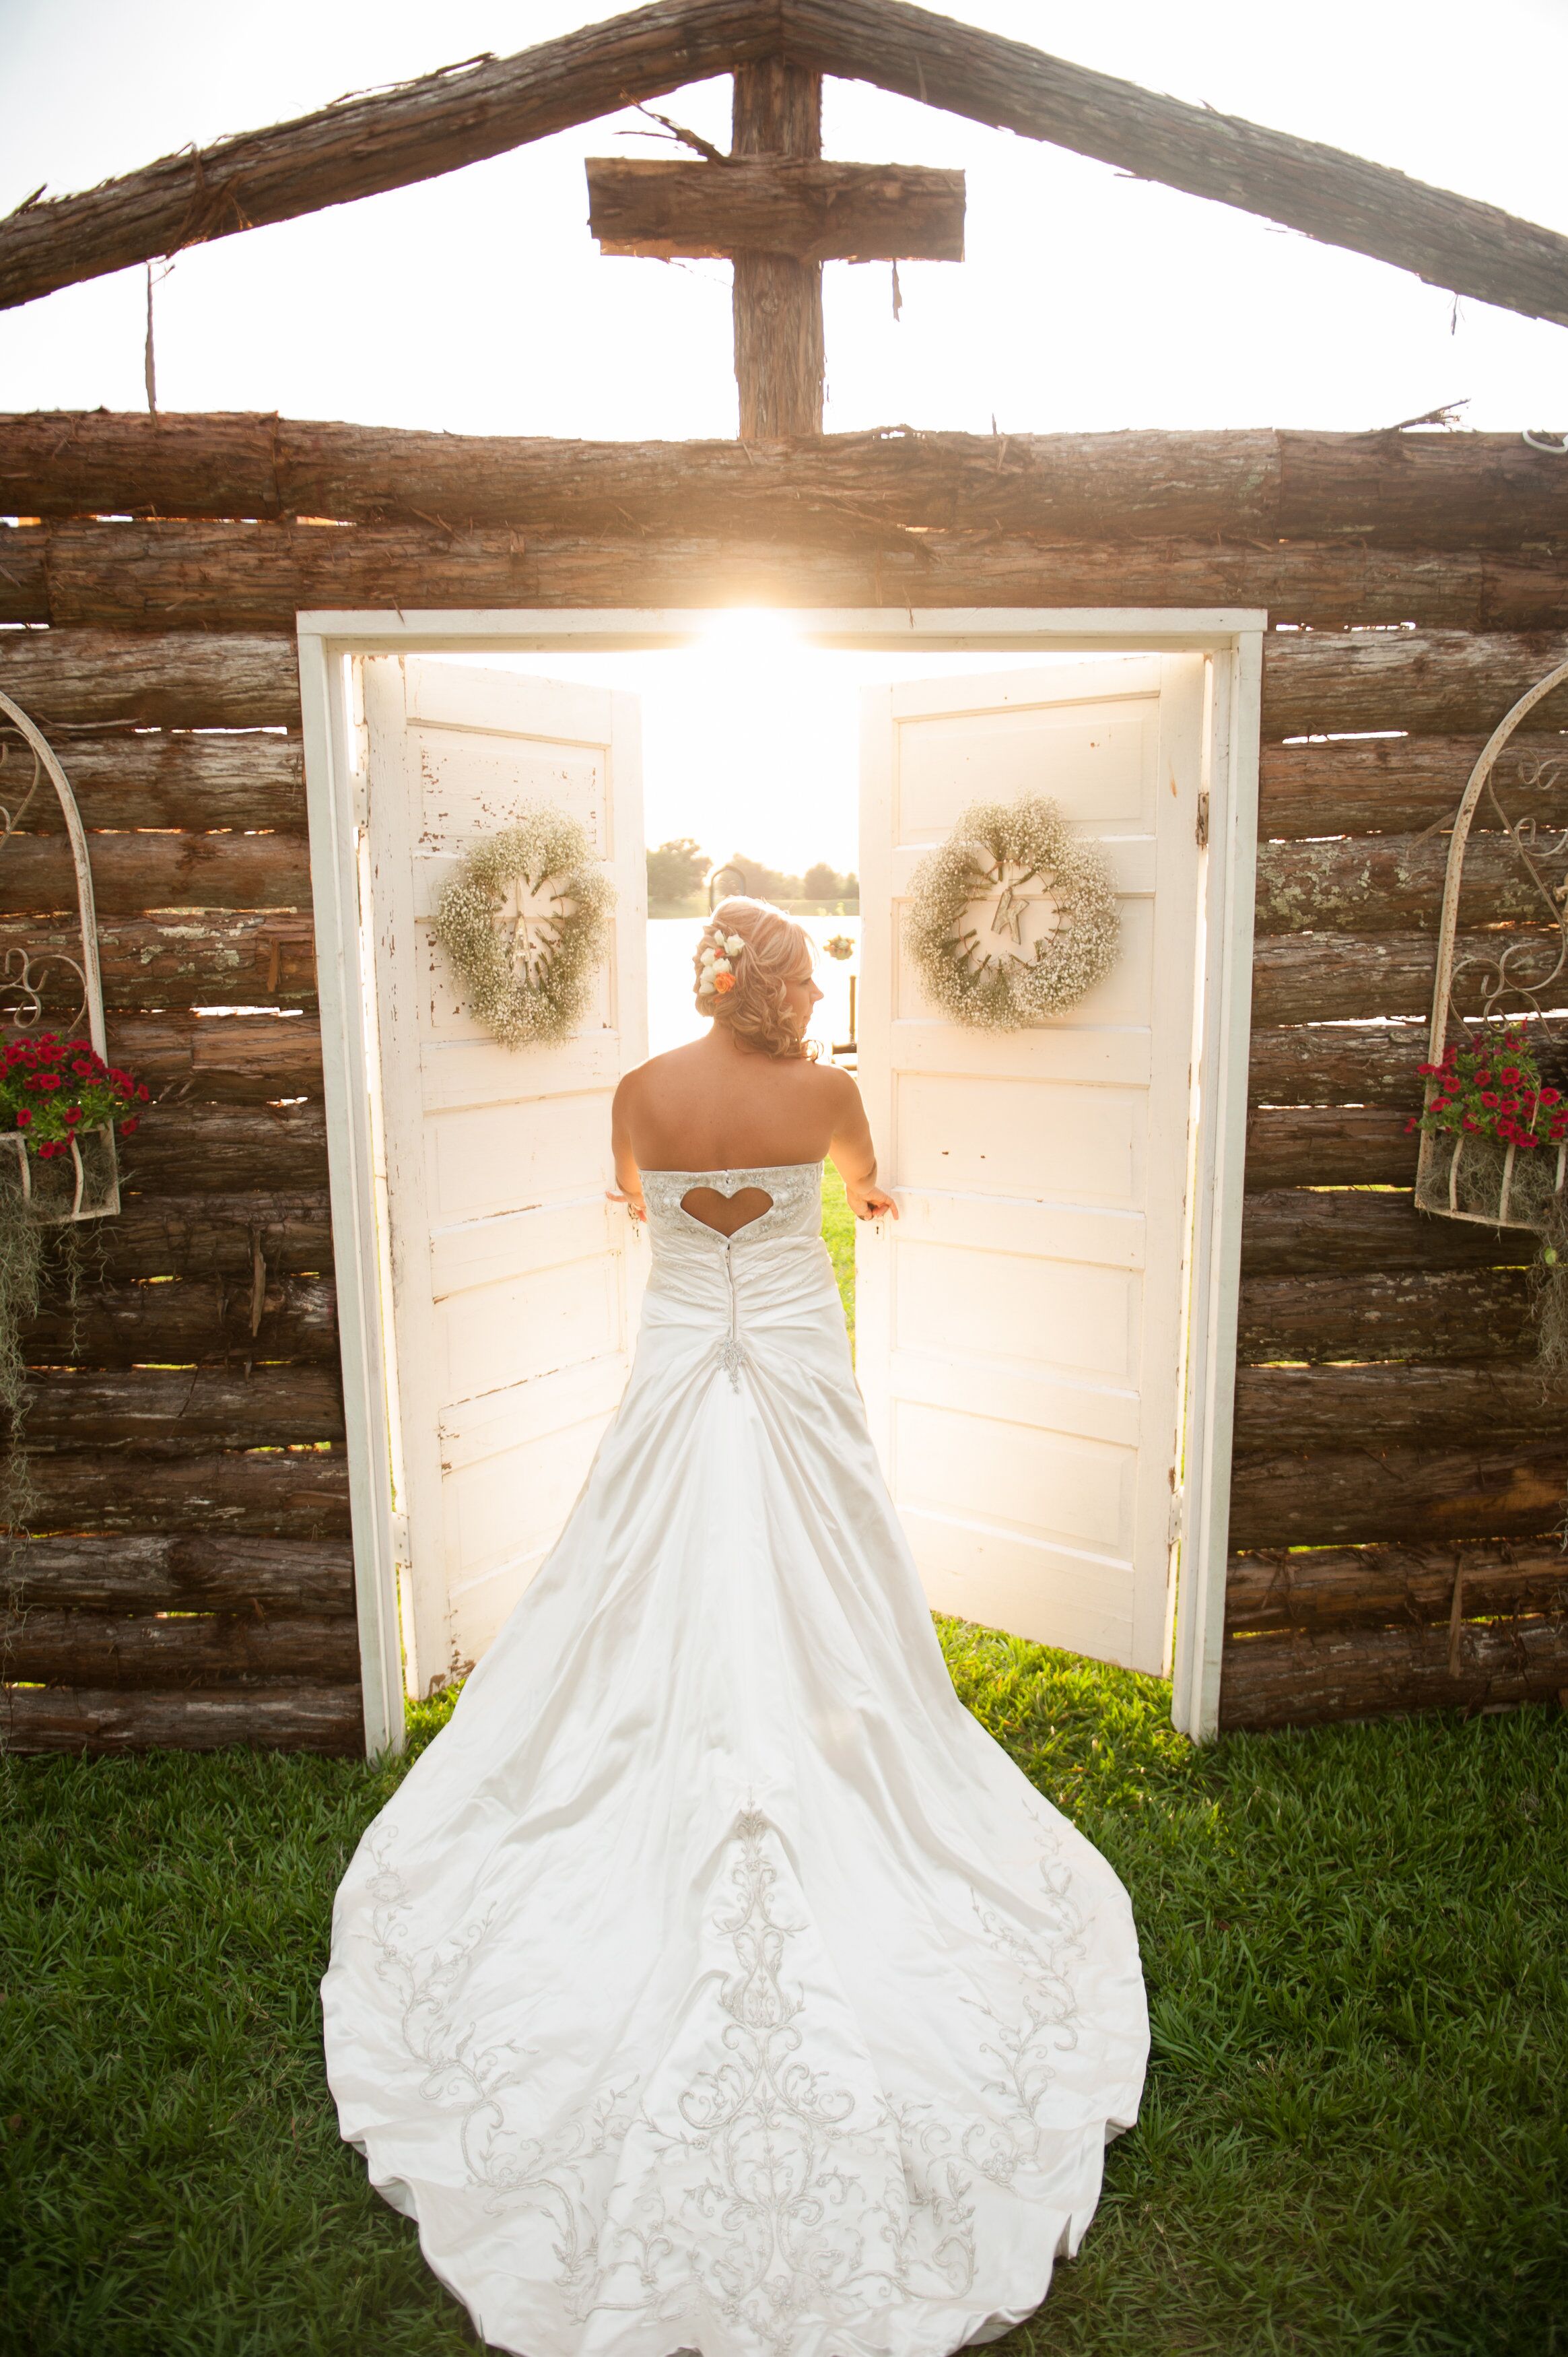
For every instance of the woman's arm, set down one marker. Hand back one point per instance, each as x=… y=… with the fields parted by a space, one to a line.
x=853 y=1157
x=627 y=1189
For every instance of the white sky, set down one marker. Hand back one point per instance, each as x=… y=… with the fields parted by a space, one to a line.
x=478 y=303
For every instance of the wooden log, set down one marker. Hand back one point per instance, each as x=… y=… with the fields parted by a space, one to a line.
x=1309 y=1231
x=171 y=1572
x=221 y=1059
x=386 y=140
x=213 y=959
x=283 y=1493
x=1062 y=486
x=1451 y=242
x=1338 y=1063
x=436 y=124
x=1329 y=977
x=201 y=1149
x=1399 y=490
x=202 y=1649
x=177 y=778
x=1432 y=683
x=132 y=872
x=1348 y=1497
x=1410 y=1406
x=292 y=1718
x=1397 y=785
x=1328 y=1146
x=1383 y=1673
x=90 y=679
x=1287 y=1589
x=1449 y=1314
x=129 y=1410
x=776 y=298
x=159 y=1234
x=187 y=1323
x=249 y=577
x=1386 y=883
x=813 y=211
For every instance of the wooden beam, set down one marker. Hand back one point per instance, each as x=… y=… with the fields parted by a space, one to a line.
x=1347 y=1587
x=388 y=140
x=1293 y=1681
x=1350 y=1496
x=1450 y=240
x=1346 y=977
x=779 y=363
x=1434 y=682
x=1445 y=1316
x=1465 y=491
x=1328 y=1146
x=445 y=120
x=291 y=1718
x=817 y=212
x=174 y=1573
x=239 y=577
x=1419 y=1406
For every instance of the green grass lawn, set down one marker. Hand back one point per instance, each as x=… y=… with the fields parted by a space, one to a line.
x=1352 y=2144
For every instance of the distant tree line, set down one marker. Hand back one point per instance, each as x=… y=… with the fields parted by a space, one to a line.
x=678 y=875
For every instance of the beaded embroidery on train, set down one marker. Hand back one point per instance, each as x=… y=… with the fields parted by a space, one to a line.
x=713 y=1982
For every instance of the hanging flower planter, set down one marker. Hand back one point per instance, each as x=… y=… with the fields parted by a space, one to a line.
x=1494 y=1132
x=1494 y=1128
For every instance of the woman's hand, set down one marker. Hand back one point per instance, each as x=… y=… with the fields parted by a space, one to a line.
x=635 y=1207
x=872 y=1203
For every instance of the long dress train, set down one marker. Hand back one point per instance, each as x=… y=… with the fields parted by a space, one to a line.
x=713 y=1982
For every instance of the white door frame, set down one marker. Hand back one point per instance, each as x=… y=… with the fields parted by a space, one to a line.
x=336 y=797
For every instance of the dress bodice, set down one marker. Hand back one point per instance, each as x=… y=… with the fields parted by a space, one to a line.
x=797 y=1208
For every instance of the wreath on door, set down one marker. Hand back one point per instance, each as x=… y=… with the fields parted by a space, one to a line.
x=1013 y=918
x=524 y=923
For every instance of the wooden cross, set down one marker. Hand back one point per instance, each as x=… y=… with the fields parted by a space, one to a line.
x=778 y=210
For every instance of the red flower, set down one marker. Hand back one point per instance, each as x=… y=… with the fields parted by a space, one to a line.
x=1411 y=1123
x=1466 y=1123
x=1560 y=1128
x=82 y=1069
x=1439 y=1103
x=1488 y=1100
x=127 y=1128
x=73 y=1113
x=1510 y=1073
x=23 y=1118
x=1550 y=1097
x=48 y=1080
x=144 y=1092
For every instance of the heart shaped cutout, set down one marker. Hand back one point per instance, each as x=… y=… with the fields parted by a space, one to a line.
x=726 y=1215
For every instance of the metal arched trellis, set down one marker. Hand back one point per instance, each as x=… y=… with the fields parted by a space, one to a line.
x=1523 y=979
x=90 y=1180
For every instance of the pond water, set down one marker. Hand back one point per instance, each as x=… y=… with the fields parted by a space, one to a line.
x=672 y=1017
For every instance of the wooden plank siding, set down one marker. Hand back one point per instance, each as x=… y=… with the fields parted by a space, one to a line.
x=1399 y=1472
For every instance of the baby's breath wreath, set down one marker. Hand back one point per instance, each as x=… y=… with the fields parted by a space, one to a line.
x=987 y=972
x=526 y=973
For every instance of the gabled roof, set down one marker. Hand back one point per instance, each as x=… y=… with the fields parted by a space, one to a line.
x=389 y=139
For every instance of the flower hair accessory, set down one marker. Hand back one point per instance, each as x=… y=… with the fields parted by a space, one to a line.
x=717 y=959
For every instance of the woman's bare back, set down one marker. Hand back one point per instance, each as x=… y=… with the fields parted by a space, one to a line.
x=715 y=1106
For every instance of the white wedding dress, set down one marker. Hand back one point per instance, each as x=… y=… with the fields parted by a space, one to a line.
x=713 y=1982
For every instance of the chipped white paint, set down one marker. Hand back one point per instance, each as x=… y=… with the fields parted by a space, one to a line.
x=1020 y=1330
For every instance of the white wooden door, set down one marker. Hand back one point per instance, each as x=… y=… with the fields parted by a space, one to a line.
x=1020 y=1330
x=513 y=1282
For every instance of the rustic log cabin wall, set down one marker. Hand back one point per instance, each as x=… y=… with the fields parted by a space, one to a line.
x=1399 y=1469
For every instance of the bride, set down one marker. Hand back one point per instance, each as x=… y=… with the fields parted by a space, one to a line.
x=713 y=1982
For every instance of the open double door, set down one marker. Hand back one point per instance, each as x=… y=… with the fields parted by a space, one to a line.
x=1020 y=1332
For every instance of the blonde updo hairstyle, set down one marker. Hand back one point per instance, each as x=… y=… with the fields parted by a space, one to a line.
x=775 y=952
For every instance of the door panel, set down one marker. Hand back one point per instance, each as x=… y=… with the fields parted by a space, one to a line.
x=1020 y=1329
x=513 y=1282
